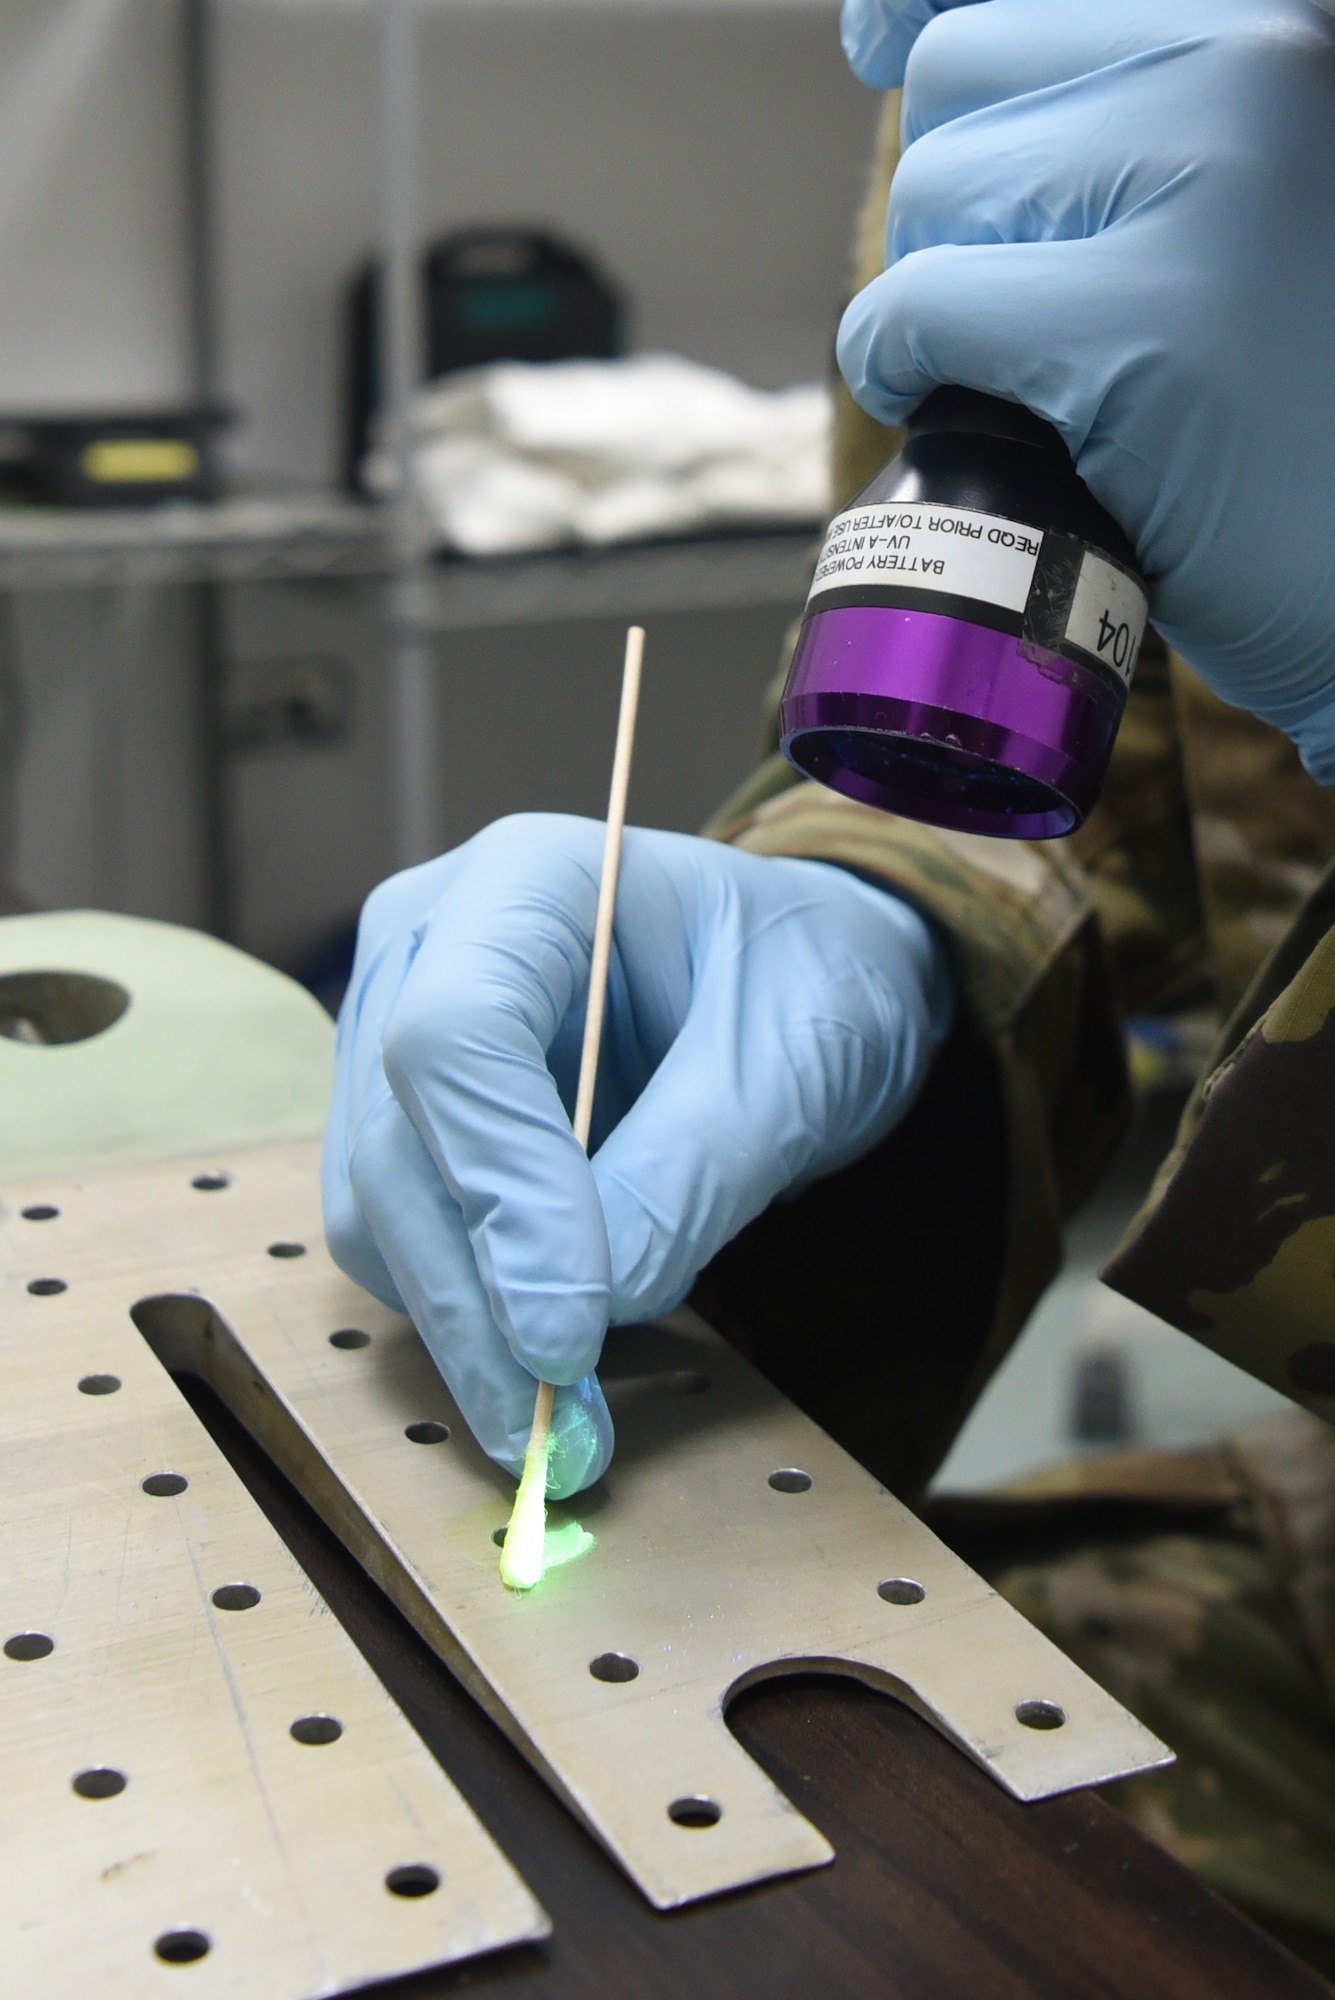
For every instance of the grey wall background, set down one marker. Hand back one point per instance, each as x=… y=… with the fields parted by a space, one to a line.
x=91 y=226
x=710 y=152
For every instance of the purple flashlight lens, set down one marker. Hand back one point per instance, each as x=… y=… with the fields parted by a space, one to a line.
x=946 y=721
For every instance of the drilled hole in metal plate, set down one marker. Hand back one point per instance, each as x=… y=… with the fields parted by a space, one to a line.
x=695 y=1812
x=614 y=1667
x=317 y=1729
x=789 y=1480
x=236 y=1597
x=162 y=1485
x=99 y=1385
x=901 y=1590
x=182 y=1947
x=99 y=1784
x=211 y=1183
x=41 y=1211
x=46 y=1288
x=416 y=1879
x=29 y=1646
x=1040 y=1714
x=429 y=1432
x=48 y=1008
x=349 y=1337
x=498 y=1535
x=287 y=1249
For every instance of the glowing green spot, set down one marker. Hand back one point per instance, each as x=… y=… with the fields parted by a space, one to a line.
x=565 y=1544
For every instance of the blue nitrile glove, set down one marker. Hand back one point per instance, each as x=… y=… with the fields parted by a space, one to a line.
x=1122 y=214
x=767 y=1021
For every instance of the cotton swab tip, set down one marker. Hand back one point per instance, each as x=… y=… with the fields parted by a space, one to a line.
x=522 y=1554
x=525 y=1538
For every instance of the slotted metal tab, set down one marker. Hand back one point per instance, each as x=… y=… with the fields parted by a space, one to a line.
x=734 y=1539
x=204 y=1783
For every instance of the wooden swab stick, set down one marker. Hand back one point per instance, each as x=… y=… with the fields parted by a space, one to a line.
x=522 y=1555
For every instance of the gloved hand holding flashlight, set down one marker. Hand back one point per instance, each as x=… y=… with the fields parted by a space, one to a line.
x=768 y=1020
x=1119 y=214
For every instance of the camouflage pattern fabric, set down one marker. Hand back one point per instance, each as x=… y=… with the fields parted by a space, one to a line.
x=1236 y=1244
x=1198 y=1587
x=1199 y=1637
x=1263 y=831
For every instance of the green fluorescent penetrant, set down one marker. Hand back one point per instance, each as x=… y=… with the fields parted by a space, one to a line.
x=563 y=1544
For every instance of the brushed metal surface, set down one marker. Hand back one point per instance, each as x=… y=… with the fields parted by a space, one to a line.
x=204 y=1784
x=734 y=1540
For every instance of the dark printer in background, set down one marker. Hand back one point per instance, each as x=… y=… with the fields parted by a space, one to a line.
x=488 y=294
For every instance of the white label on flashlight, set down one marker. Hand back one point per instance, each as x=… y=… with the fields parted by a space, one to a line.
x=1107 y=615
x=921 y=545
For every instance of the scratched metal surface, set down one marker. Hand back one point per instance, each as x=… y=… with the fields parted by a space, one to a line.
x=163 y=1825
x=707 y=1574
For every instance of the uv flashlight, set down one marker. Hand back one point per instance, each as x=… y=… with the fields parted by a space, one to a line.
x=971 y=630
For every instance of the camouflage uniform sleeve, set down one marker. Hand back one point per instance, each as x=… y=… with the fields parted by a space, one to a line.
x=1262 y=829
x=1236 y=1242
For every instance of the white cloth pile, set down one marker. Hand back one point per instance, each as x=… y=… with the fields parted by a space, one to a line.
x=542 y=455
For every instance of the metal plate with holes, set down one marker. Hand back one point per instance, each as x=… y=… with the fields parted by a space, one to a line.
x=735 y=1540
x=204 y=1784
